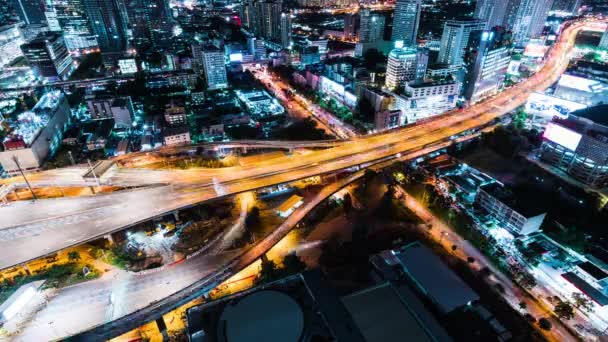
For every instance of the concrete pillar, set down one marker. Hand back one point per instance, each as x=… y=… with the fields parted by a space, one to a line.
x=244 y=149
x=176 y=215
x=162 y=327
x=92 y=188
x=27 y=270
x=16 y=195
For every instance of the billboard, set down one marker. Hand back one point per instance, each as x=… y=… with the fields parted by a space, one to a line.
x=540 y=104
x=562 y=136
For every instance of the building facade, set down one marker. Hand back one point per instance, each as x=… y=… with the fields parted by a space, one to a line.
x=214 y=67
x=405 y=65
x=38 y=134
x=30 y=11
x=455 y=38
x=501 y=204
x=49 y=56
x=406 y=21
x=108 y=24
x=491 y=11
x=69 y=18
x=421 y=99
x=371 y=27
x=579 y=147
x=528 y=19
x=486 y=61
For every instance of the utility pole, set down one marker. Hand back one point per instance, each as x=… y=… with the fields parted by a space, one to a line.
x=16 y=160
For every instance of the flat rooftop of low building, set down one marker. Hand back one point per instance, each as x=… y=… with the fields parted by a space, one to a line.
x=593 y=270
x=168 y=131
x=524 y=205
x=436 y=279
x=389 y=313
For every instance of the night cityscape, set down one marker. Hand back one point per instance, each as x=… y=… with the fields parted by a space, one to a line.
x=303 y=170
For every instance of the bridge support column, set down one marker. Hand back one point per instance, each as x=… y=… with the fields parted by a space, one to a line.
x=27 y=270
x=176 y=215
x=244 y=149
x=15 y=194
x=162 y=327
x=92 y=188
x=110 y=239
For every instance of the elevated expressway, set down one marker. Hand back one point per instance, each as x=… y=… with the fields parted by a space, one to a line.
x=29 y=229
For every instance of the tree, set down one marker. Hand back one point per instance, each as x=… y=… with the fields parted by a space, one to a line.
x=523 y=305
x=545 y=324
x=292 y=264
x=581 y=301
x=564 y=310
x=74 y=256
x=268 y=271
x=470 y=260
x=366 y=110
x=454 y=248
x=253 y=218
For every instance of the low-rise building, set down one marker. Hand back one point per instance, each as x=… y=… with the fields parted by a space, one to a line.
x=582 y=90
x=178 y=135
x=118 y=108
x=37 y=134
x=423 y=99
x=175 y=114
x=291 y=204
x=516 y=214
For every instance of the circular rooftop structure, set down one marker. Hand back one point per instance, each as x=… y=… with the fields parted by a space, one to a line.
x=269 y=316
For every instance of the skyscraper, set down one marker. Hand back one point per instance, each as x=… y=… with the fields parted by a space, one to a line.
x=150 y=23
x=30 y=11
x=406 y=21
x=486 y=62
x=528 y=19
x=371 y=27
x=268 y=20
x=405 y=65
x=567 y=6
x=285 y=29
x=49 y=56
x=105 y=19
x=491 y=11
x=69 y=17
x=351 y=25
x=455 y=38
x=604 y=41
x=214 y=67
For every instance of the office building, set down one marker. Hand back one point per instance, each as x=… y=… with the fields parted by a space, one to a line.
x=423 y=99
x=108 y=25
x=118 y=108
x=37 y=135
x=491 y=11
x=579 y=147
x=406 y=21
x=69 y=18
x=31 y=12
x=371 y=27
x=455 y=38
x=566 y=7
x=528 y=19
x=516 y=213
x=486 y=61
x=405 y=65
x=604 y=41
x=10 y=44
x=49 y=56
x=214 y=67
x=351 y=25
x=150 y=23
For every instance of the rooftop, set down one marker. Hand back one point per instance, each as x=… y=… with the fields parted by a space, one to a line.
x=524 y=205
x=434 y=278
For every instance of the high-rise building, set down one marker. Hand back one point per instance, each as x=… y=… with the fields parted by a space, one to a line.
x=30 y=11
x=567 y=6
x=108 y=25
x=486 y=61
x=528 y=19
x=455 y=38
x=604 y=41
x=214 y=67
x=69 y=18
x=491 y=11
x=267 y=19
x=351 y=25
x=49 y=56
x=371 y=27
x=406 y=21
x=150 y=23
x=405 y=65
x=10 y=44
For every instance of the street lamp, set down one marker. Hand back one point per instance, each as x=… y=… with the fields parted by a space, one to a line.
x=16 y=160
